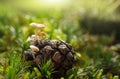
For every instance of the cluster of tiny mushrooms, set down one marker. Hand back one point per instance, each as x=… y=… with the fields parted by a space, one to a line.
x=38 y=29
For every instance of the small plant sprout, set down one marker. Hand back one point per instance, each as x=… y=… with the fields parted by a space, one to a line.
x=38 y=27
x=34 y=49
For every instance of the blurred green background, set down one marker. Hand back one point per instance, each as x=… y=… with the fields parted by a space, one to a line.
x=91 y=26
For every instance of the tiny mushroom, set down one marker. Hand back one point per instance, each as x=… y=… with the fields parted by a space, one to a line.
x=34 y=48
x=37 y=26
x=33 y=36
x=31 y=39
x=62 y=78
x=42 y=34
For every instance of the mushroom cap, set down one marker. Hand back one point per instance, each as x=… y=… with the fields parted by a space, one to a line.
x=28 y=39
x=31 y=39
x=34 y=48
x=33 y=36
x=42 y=33
x=36 y=25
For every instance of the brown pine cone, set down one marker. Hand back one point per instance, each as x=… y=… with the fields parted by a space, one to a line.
x=60 y=53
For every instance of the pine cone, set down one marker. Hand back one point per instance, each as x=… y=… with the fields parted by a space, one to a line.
x=60 y=53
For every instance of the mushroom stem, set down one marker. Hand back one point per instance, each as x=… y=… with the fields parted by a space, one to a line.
x=36 y=33
x=33 y=55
